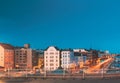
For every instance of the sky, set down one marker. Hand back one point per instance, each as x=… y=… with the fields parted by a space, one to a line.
x=63 y=23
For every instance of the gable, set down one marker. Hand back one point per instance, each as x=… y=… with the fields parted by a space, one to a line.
x=52 y=48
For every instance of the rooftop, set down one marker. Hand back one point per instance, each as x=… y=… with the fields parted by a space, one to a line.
x=6 y=46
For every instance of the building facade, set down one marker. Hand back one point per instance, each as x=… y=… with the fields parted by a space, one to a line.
x=92 y=57
x=6 y=56
x=51 y=58
x=67 y=57
x=39 y=58
x=23 y=57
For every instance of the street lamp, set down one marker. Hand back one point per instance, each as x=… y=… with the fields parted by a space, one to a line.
x=44 y=72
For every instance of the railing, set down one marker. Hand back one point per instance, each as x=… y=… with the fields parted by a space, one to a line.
x=101 y=73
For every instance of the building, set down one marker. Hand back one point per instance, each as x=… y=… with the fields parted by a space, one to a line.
x=92 y=57
x=79 y=50
x=35 y=58
x=51 y=58
x=67 y=57
x=39 y=59
x=23 y=57
x=6 y=56
x=80 y=59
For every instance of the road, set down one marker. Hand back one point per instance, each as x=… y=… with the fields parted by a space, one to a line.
x=98 y=68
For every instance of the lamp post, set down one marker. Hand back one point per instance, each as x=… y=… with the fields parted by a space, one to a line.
x=83 y=66
x=8 y=72
x=44 y=72
x=63 y=70
x=9 y=68
x=83 y=74
x=102 y=72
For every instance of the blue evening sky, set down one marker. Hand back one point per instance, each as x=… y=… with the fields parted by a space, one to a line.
x=63 y=23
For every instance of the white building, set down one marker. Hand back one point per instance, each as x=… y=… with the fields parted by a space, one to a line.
x=51 y=58
x=67 y=57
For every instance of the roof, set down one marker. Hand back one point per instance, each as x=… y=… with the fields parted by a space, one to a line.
x=18 y=47
x=6 y=46
x=54 y=47
x=69 y=49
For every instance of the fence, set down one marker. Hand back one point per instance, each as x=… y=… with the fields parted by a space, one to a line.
x=102 y=73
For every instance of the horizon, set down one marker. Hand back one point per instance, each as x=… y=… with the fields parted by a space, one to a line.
x=63 y=23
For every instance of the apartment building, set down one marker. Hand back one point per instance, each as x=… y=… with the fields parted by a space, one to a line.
x=67 y=57
x=92 y=57
x=51 y=58
x=23 y=57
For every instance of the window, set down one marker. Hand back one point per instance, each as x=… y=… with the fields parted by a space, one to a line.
x=56 y=53
x=51 y=64
x=56 y=64
x=52 y=67
x=51 y=56
x=51 y=60
x=24 y=61
x=51 y=53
